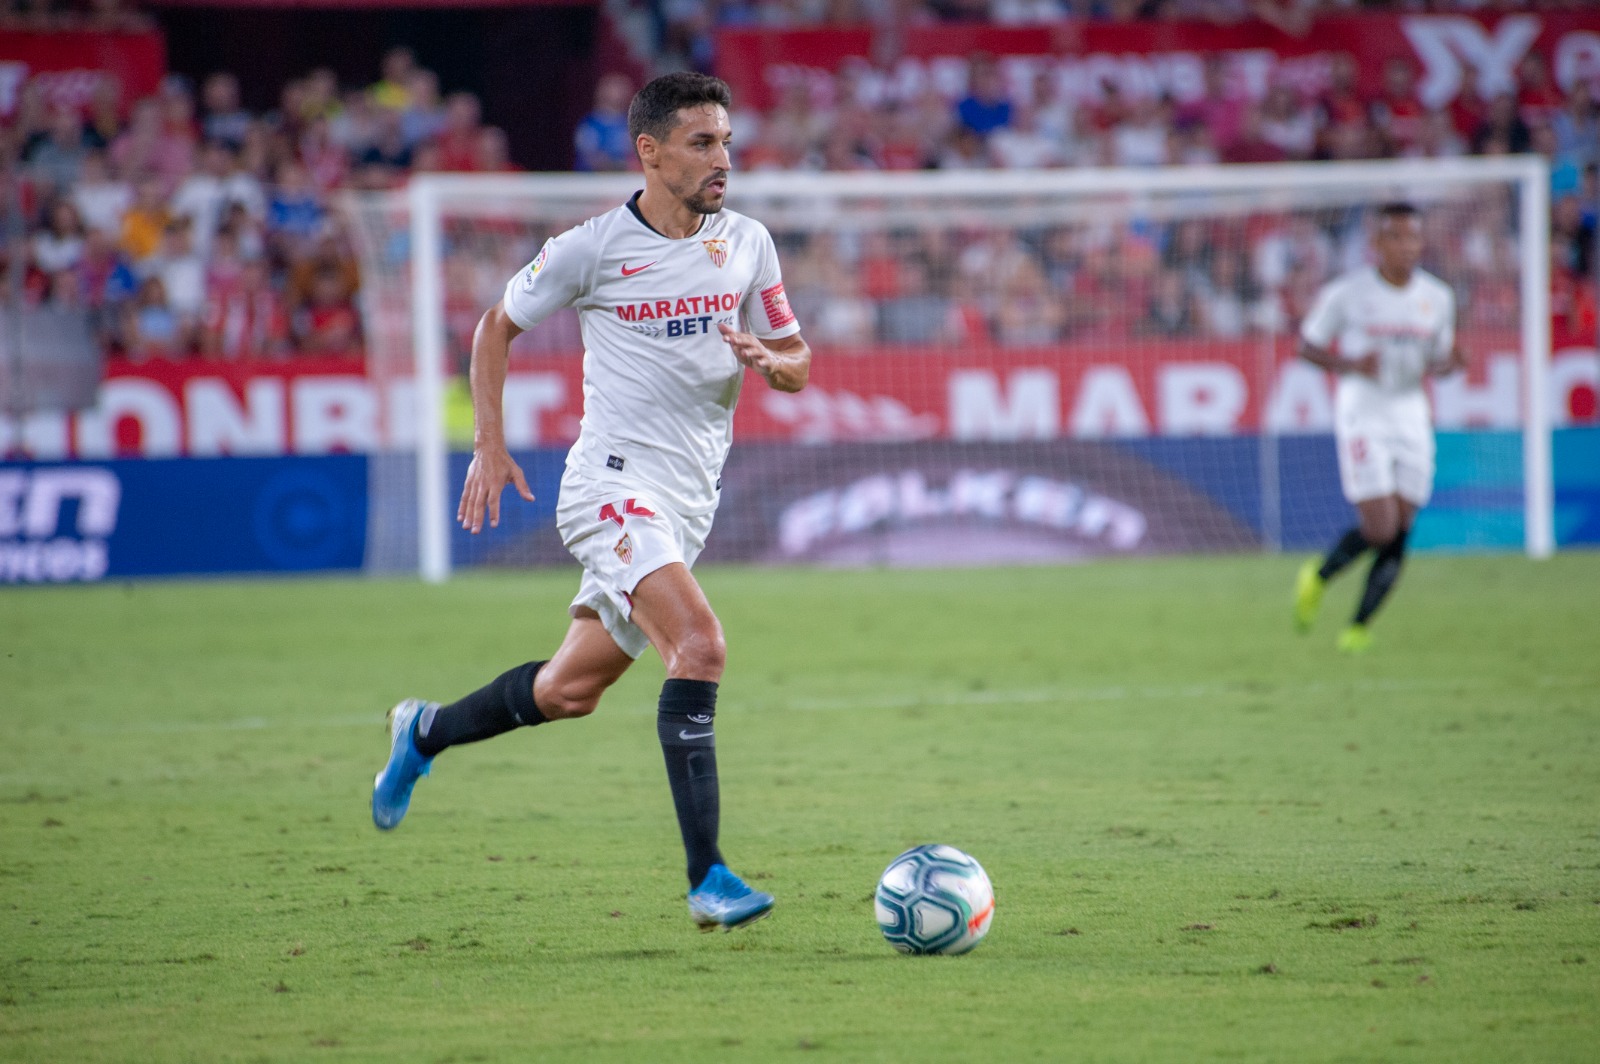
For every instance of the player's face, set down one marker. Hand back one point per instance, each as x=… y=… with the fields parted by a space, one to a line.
x=693 y=161
x=1399 y=244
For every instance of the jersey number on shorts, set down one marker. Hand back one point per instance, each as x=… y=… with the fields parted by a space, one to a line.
x=1358 y=452
x=629 y=508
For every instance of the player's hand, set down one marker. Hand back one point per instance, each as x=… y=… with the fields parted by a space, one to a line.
x=491 y=470
x=1366 y=365
x=749 y=350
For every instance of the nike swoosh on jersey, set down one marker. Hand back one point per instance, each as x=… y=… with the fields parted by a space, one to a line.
x=629 y=273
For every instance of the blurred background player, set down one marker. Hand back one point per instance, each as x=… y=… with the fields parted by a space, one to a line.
x=665 y=285
x=1382 y=329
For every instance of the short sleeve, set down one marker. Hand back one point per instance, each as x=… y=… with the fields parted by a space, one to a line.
x=1325 y=320
x=1445 y=341
x=767 y=312
x=554 y=279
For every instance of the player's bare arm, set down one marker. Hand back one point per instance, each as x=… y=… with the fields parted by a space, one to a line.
x=1366 y=365
x=785 y=362
x=492 y=468
x=1456 y=363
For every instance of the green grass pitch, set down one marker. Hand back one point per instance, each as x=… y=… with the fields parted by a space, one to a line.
x=1211 y=839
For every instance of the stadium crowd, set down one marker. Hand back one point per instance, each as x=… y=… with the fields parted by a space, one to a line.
x=188 y=226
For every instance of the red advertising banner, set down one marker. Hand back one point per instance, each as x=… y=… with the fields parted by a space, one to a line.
x=1172 y=389
x=67 y=66
x=1161 y=58
x=312 y=5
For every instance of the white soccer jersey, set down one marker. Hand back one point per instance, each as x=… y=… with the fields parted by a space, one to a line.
x=1408 y=328
x=659 y=382
x=1382 y=426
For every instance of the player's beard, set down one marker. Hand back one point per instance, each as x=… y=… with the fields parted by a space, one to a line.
x=703 y=200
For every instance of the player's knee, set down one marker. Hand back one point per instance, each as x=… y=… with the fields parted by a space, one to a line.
x=701 y=655
x=1379 y=532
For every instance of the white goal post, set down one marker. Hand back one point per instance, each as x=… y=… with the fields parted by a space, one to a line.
x=417 y=278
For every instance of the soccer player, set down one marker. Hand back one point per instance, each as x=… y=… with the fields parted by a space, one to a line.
x=677 y=298
x=1392 y=325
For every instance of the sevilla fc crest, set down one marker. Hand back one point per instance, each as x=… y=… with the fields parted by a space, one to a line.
x=718 y=250
x=624 y=549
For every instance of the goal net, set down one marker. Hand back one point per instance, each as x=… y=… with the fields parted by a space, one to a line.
x=1010 y=367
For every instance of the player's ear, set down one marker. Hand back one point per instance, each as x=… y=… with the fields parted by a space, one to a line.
x=646 y=146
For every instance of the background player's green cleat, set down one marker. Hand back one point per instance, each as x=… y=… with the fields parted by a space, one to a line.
x=1308 y=585
x=1355 y=639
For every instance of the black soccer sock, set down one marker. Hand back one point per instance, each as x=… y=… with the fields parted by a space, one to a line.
x=1382 y=576
x=689 y=745
x=1351 y=546
x=504 y=703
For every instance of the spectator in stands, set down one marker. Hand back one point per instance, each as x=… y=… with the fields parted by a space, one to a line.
x=249 y=321
x=986 y=107
x=1577 y=126
x=392 y=90
x=327 y=323
x=1223 y=298
x=145 y=221
x=1220 y=110
x=356 y=128
x=1397 y=114
x=101 y=199
x=458 y=140
x=601 y=141
x=1027 y=313
x=917 y=313
x=149 y=327
x=494 y=152
x=1171 y=310
x=422 y=119
x=203 y=195
x=149 y=145
x=182 y=270
x=222 y=119
x=106 y=282
x=1022 y=145
x=1503 y=131
x=1539 y=99
x=327 y=257
x=1251 y=145
x=1143 y=137
x=55 y=155
x=294 y=212
x=1288 y=123
x=964 y=149
x=59 y=246
x=388 y=157
x=1438 y=140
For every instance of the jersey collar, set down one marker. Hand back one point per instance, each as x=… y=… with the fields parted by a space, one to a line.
x=633 y=209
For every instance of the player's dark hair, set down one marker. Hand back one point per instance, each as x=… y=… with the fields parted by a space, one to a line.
x=655 y=109
x=1398 y=209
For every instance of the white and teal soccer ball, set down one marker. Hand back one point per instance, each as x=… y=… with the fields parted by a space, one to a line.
x=934 y=899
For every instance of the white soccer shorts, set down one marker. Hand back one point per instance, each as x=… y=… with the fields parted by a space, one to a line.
x=619 y=540
x=1389 y=456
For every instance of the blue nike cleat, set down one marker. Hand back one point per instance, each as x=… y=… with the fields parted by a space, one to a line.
x=391 y=790
x=723 y=900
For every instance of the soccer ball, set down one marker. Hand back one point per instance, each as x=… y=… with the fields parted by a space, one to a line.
x=934 y=899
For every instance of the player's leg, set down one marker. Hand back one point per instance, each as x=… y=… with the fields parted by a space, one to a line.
x=1360 y=476
x=568 y=685
x=1409 y=447
x=671 y=609
x=1384 y=524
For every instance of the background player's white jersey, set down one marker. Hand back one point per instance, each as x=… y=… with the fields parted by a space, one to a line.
x=1407 y=328
x=1382 y=427
x=659 y=382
